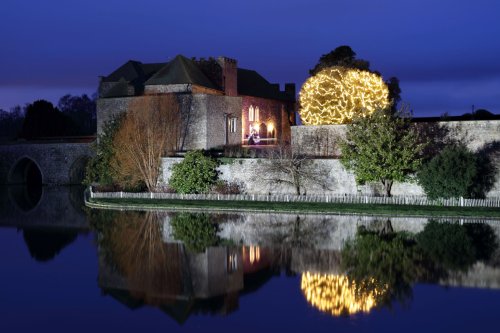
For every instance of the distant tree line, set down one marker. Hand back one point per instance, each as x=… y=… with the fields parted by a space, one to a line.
x=73 y=116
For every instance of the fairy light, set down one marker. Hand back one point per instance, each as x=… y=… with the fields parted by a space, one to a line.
x=337 y=295
x=336 y=94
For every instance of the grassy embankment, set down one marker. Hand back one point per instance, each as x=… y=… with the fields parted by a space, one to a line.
x=303 y=207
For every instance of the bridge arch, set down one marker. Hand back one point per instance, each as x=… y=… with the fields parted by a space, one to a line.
x=25 y=171
x=77 y=170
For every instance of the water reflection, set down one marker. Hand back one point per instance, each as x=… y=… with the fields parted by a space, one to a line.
x=339 y=295
x=186 y=263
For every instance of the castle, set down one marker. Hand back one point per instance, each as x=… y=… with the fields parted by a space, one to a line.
x=220 y=103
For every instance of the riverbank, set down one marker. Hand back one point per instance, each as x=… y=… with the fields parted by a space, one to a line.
x=293 y=207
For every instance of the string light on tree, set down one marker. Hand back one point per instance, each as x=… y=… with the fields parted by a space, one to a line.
x=336 y=95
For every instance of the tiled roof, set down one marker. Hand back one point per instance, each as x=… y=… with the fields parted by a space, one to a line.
x=181 y=70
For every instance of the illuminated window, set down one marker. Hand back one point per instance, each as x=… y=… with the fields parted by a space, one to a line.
x=256 y=116
x=251 y=114
x=233 y=125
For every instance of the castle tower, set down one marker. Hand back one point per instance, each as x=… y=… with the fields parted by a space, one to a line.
x=229 y=75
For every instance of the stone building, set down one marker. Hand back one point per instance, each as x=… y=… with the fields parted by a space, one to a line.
x=220 y=103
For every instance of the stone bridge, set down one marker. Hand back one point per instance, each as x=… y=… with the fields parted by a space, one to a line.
x=47 y=162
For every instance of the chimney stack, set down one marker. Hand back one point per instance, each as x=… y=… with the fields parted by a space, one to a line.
x=229 y=75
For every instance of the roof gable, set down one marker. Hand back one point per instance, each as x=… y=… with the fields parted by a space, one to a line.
x=181 y=70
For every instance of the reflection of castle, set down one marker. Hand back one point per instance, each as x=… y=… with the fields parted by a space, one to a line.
x=221 y=104
x=189 y=282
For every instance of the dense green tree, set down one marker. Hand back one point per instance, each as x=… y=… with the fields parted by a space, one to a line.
x=450 y=174
x=196 y=173
x=99 y=170
x=383 y=147
x=342 y=56
x=82 y=111
x=44 y=120
x=11 y=122
x=394 y=92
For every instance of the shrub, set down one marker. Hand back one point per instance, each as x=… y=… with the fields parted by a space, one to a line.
x=195 y=174
x=195 y=230
x=451 y=174
x=98 y=170
x=224 y=187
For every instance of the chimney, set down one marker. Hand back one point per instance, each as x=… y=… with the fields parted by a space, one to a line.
x=229 y=75
x=290 y=90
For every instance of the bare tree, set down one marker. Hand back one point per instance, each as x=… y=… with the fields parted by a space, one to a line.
x=287 y=165
x=151 y=129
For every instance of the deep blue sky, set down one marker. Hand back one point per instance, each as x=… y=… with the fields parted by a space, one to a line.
x=446 y=53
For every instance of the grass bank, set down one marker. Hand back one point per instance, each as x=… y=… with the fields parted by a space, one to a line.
x=296 y=207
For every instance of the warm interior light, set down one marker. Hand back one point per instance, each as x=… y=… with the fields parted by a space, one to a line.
x=270 y=127
x=337 y=295
x=336 y=94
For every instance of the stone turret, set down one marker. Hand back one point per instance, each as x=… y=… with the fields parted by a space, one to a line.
x=229 y=75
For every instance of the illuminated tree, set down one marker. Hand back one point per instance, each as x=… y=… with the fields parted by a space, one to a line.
x=383 y=147
x=151 y=129
x=342 y=56
x=337 y=95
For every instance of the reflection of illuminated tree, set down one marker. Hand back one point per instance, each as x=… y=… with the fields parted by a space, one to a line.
x=338 y=295
x=195 y=230
x=390 y=260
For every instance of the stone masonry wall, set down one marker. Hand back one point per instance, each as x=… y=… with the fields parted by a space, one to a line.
x=321 y=140
x=254 y=177
x=56 y=161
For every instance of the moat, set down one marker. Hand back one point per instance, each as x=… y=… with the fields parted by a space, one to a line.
x=69 y=268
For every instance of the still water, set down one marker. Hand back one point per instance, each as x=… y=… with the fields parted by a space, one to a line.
x=66 y=268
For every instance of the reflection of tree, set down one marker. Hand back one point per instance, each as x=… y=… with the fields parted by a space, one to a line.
x=195 y=230
x=133 y=244
x=338 y=295
x=45 y=244
x=456 y=247
x=385 y=260
x=377 y=261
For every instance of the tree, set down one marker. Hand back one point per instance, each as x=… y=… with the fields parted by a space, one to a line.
x=99 y=170
x=336 y=95
x=82 y=111
x=383 y=147
x=11 y=122
x=196 y=173
x=195 y=230
x=289 y=165
x=149 y=131
x=450 y=174
x=342 y=56
x=44 y=120
x=394 y=93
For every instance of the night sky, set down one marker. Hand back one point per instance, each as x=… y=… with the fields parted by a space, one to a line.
x=446 y=53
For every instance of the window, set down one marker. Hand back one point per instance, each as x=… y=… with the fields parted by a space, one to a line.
x=251 y=113
x=233 y=125
x=256 y=115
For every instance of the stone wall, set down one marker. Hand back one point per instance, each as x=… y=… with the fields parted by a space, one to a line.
x=254 y=177
x=321 y=140
x=109 y=108
x=203 y=118
x=59 y=163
